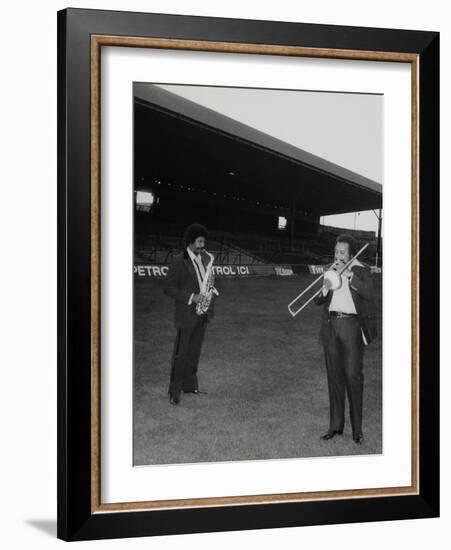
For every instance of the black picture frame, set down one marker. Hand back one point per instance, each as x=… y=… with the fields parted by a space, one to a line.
x=76 y=518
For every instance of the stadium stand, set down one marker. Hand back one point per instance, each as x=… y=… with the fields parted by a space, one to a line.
x=201 y=166
x=251 y=249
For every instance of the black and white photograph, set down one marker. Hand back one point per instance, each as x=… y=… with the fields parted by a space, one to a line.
x=225 y=275
x=258 y=266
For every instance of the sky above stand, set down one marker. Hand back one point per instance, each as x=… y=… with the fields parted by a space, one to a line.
x=343 y=128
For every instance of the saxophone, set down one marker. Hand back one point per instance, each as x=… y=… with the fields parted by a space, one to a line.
x=208 y=289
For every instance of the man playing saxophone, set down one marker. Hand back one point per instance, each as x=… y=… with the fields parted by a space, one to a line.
x=190 y=284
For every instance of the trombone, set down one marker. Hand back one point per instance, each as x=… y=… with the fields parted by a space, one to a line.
x=331 y=275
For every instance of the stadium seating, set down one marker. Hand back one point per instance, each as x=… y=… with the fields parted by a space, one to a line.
x=249 y=248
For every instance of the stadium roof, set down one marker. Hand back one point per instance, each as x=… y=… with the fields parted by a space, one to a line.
x=183 y=141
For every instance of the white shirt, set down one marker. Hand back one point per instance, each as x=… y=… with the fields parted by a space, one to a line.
x=342 y=298
x=198 y=268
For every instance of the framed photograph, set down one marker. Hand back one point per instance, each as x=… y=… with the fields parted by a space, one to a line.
x=248 y=274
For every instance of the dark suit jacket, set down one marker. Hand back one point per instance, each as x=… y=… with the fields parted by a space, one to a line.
x=181 y=282
x=362 y=292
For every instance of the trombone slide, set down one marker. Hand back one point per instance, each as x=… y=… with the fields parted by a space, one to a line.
x=290 y=308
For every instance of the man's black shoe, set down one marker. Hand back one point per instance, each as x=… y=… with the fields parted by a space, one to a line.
x=174 y=400
x=331 y=434
x=358 y=439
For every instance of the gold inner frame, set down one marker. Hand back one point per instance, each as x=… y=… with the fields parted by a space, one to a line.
x=97 y=41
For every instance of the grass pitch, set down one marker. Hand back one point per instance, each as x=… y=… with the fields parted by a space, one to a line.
x=264 y=373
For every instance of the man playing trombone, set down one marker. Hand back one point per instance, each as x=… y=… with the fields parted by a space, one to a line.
x=347 y=326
